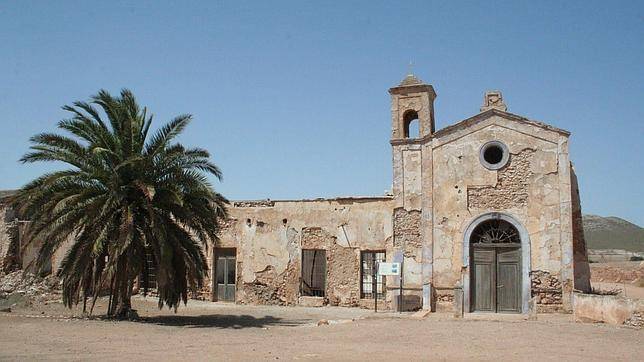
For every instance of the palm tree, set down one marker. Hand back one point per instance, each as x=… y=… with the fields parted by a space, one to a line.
x=125 y=195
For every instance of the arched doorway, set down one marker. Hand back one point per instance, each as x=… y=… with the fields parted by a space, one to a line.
x=497 y=252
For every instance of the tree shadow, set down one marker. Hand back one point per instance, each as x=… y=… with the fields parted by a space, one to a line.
x=223 y=321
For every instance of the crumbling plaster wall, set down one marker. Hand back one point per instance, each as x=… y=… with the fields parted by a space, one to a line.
x=529 y=188
x=7 y=248
x=269 y=237
x=409 y=191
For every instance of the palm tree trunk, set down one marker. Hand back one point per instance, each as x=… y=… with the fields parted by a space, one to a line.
x=122 y=304
x=85 y=302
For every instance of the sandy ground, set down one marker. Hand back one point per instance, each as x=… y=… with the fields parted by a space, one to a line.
x=213 y=331
x=617 y=272
x=627 y=277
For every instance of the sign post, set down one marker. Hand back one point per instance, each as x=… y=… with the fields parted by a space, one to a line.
x=374 y=285
x=385 y=269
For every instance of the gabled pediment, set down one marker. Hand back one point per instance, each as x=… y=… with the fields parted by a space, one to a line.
x=469 y=122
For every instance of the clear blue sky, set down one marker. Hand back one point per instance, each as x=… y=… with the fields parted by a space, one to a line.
x=291 y=97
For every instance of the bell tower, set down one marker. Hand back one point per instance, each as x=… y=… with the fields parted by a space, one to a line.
x=412 y=100
x=412 y=109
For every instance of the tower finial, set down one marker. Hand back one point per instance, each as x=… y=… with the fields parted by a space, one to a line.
x=410 y=78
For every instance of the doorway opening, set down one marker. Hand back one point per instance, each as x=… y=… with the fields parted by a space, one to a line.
x=313 y=273
x=495 y=280
x=225 y=272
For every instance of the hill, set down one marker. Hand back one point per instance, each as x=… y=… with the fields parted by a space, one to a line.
x=612 y=233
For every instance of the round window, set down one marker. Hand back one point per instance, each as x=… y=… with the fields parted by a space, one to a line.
x=494 y=155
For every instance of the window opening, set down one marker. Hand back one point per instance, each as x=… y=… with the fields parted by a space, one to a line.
x=494 y=155
x=313 y=272
x=368 y=259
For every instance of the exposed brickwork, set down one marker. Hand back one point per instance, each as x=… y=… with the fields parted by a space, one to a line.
x=546 y=287
x=270 y=288
x=511 y=189
x=407 y=231
x=289 y=287
x=226 y=225
x=257 y=203
x=315 y=238
x=636 y=320
x=342 y=278
x=445 y=297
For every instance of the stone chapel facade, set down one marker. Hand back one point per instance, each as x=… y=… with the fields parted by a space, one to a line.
x=487 y=207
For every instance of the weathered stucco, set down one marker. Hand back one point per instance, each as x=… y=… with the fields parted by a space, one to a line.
x=528 y=188
x=269 y=239
x=8 y=248
x=439 y=187
x=609 y=309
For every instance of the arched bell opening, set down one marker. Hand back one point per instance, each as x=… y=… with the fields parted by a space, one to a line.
x=411 y=124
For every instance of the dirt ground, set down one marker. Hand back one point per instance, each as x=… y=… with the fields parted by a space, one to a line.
x=617 y=271
x=626 y=277
x=215 y=331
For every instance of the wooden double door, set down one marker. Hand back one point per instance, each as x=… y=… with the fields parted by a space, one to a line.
x=496 y=279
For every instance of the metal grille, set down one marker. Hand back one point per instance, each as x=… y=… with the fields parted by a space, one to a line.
x=495 y=232
x=369 y=258
x=313 y=272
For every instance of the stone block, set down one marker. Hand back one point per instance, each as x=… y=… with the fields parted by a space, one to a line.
x=311 y=302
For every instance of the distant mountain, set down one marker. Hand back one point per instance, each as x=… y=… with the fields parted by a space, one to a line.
x=612 y=233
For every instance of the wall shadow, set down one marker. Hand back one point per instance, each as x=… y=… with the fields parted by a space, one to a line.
x=223 y=321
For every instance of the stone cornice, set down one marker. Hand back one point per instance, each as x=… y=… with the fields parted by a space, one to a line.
x=496 y=112
x=417 y=88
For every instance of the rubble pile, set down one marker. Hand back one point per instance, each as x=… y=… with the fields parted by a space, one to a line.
x=636 y=320
x=28 y=288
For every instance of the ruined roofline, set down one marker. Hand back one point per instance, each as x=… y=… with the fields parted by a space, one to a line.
x=341 y=199
x=476 y=118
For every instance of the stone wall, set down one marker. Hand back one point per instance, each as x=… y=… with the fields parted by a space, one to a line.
x=528 y=188
x=444 y=300
x=546 y=288
x=269 y=236
x=407 y=233
x=9 y=256
x=511 y=189
x=609 y=309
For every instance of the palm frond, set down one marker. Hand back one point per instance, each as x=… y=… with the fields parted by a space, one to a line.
x=126 y=195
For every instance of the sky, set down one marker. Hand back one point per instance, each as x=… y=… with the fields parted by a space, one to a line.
x=290 y=97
